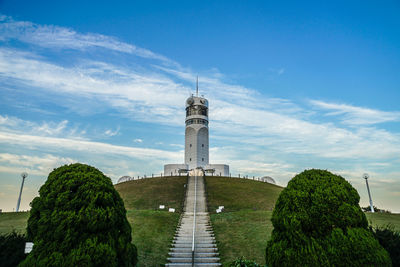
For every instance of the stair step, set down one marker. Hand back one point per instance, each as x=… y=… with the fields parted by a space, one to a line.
x=184 y=239
x=196 y=254
x=196 y=260
x=198 y=250
x=197 y=242
x=189 y=245
x=190 y=265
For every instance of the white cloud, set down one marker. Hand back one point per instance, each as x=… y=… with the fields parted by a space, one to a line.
x=353 y=115
x=138 y=140
x=51 y=36
x=84 y=146
x=34 y=165
x=45 y=128
x=235 y=112
x=213 y=87
x=10 y=121
x=276 y=71
x=149 y=96
x=296 y=135
x=111 y=133
x=51 y=129
x=177 y=145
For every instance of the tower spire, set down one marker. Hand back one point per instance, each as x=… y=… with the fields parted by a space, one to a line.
x=197 y=85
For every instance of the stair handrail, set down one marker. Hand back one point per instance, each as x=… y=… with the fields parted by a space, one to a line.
x=194 y=217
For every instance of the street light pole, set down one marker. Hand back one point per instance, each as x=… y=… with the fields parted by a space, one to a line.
x=23 y=175
x=366 y=176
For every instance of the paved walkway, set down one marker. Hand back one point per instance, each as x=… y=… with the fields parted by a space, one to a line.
x=200 y=250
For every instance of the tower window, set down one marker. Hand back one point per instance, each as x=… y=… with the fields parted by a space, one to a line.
x=190 y=159
x=202 y=145
x=190 y=145
x=202 y=159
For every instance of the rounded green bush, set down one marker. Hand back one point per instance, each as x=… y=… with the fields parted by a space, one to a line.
x=12 y=249
x=79 y=219
x=318 y=222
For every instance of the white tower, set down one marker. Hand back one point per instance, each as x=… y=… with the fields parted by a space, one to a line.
x=196 y=141
x=196 y=132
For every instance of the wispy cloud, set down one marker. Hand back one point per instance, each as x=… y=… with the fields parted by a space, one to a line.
x=34 y=165
x=138 y=140
x=353 y=115
x=155 y=97
x=274 y=72
x=50 y=129
x=147 y=95
x=51 y=36
x=83 y=145
x=45 y=128
x=110 y=132
x=177 y=145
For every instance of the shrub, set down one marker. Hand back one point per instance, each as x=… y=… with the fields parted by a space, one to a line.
x=390 y=240
x=318 y=222
x=79 y=219
x=12 y=249
x=242 y=262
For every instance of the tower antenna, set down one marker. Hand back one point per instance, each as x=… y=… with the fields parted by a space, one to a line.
x=197 y=85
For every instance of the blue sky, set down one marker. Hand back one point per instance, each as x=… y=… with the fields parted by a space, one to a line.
x=291 y=86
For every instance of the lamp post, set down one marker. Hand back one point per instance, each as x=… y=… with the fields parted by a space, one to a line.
x=23 y=175
x=366 y=176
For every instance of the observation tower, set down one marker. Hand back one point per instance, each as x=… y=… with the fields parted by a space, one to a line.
x=196 y=141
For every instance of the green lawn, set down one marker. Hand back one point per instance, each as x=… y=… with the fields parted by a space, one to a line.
x=242 y=233
x=237 y=194
x=383 y=219
x=16 y=221
x=244 y=227
x=152 y=233
x=150 y=193
x=152 y=229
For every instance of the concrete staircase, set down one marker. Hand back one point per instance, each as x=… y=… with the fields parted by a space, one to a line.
x=203 y=251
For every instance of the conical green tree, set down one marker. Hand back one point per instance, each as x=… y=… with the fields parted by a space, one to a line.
x=79 y=219
x=318 y=222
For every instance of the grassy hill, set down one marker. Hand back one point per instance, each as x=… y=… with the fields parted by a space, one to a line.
x=243 y=229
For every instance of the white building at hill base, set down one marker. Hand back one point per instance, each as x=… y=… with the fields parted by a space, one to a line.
x=196 y=143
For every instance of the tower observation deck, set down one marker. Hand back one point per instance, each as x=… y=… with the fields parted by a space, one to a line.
x=196 y=141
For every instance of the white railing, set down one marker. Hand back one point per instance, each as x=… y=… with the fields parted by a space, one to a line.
x=194 y=216
x=260 y=179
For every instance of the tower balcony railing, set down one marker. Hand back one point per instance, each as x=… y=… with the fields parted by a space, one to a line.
x=197 y=121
